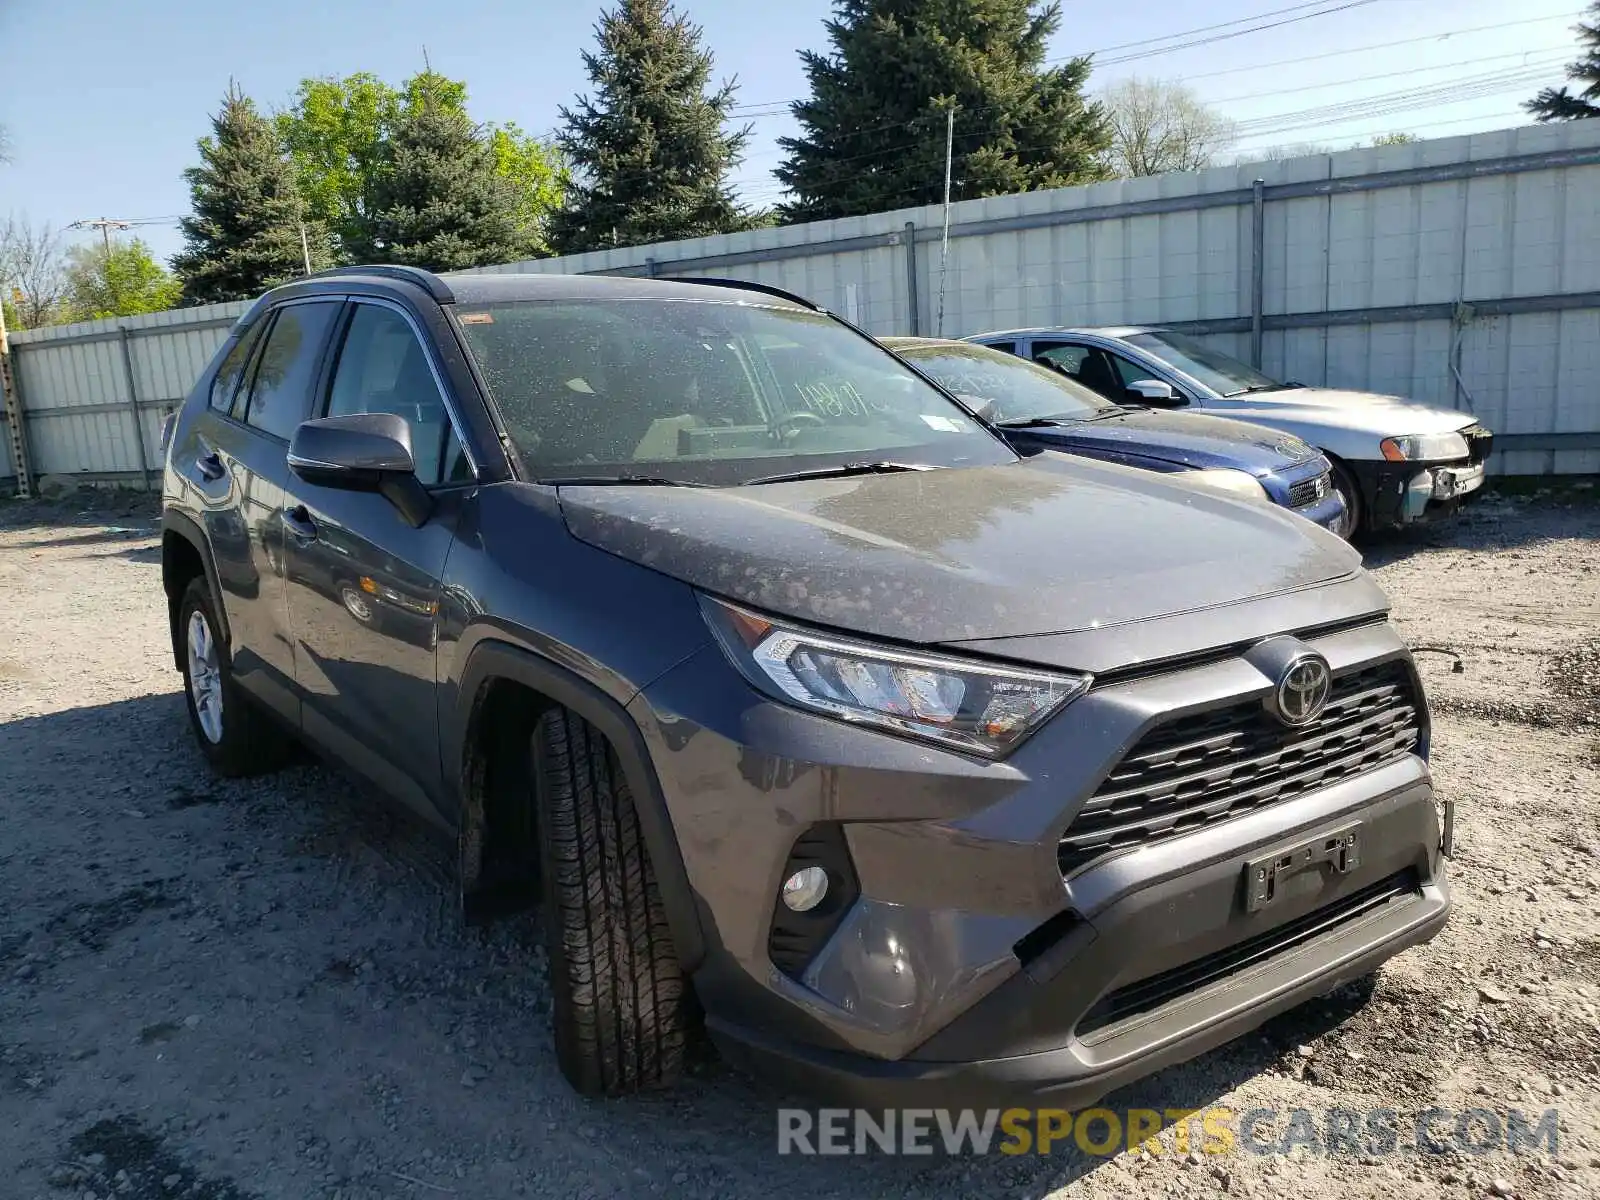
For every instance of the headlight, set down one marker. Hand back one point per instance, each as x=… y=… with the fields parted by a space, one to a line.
x=1235 y=483
x=970 y=705
x=1424 y=447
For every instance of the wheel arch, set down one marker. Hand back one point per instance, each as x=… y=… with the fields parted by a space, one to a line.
x=183 y=548
x=492 y=662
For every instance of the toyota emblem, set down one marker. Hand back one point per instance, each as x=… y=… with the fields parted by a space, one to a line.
x=1302 y=691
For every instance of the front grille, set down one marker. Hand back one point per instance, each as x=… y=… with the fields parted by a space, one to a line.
x=1308 y=491
x=1152 y=993
x=1479 y=442
x=1209 y=766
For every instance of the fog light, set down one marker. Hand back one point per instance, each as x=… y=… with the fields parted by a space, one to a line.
x=805 y=889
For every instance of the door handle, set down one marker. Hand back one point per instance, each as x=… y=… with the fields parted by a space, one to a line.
x=210 y=466
x=298 y=522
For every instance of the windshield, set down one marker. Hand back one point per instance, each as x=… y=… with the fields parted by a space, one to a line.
x=1012 y=388
x=1221 y=373
x=691 y=391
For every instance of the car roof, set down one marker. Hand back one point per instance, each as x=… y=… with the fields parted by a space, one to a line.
x=485 y=289
x=1060 y=330
x=914 y=343
x=468 y=289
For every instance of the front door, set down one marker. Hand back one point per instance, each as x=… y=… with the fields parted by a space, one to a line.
x=239 y=469
x=363 y=585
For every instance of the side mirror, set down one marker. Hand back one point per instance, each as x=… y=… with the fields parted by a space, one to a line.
x=1151 y=391
x=363 y=452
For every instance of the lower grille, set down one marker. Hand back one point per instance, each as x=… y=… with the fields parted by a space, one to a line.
x=1148 y=994
x=1308 y=491
x=1210 y=766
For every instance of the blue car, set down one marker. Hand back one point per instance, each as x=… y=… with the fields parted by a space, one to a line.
x=1038 y=408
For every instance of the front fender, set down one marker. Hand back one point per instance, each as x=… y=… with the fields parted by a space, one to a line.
x=491 y=659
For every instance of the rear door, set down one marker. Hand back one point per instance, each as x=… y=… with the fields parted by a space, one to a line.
x=363 y=585
x=262 y=391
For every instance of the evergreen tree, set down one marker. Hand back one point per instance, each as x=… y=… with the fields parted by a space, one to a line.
x=874 y=125
x=244 y=234
x=1558 y=104
x=437 y=198
x=649 y=148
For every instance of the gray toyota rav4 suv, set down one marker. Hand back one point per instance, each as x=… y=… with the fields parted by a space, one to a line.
x=796 y=701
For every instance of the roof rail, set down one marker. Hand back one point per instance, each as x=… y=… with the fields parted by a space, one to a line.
x=426 y=280
x=744 y=285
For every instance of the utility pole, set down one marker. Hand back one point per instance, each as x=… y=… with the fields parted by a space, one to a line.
x=105 y=225
x=944 y=242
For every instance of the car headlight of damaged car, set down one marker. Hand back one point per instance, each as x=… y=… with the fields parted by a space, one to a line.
x=1424 y=447
x=1234 y=483
x=973 y=706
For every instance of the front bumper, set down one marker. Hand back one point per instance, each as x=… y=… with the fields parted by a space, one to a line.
x=1409 y=493
x=1082 y=1071
x=966 y=959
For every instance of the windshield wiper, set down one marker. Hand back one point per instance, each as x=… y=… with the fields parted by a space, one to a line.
x=606 y=480
x=855 y=468
x=1032 y=423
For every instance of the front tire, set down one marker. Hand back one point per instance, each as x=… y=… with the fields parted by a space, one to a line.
x=236 y=738
x=620 y=998
x=1350 y=490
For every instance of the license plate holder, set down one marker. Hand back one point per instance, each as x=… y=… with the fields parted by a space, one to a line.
x=1339 y=851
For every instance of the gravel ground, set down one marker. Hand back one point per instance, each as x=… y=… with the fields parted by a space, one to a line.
x=226 y=990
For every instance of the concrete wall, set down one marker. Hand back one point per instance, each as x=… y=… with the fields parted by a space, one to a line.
x=1459 y=271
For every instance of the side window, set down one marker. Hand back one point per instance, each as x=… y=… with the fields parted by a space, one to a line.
x=382 y=368
x=1090 y=367
x=1003 y=347
x=1059 y=354
x=280 y=390
x=225 y=385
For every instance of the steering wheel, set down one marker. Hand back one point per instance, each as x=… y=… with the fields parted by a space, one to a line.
x=800 y=418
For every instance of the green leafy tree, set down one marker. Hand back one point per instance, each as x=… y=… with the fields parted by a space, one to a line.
x=1395 y=139
x=436 y=197
x=336 y=131
x=245 y=232
x=649 y=146
x=119 y=280
x=874 y=125
x=1559 y=104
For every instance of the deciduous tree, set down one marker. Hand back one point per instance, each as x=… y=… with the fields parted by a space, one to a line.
x=1159 y=126
x=650 y=147
x=119 y=280
x=32 y=274
x=873 y=128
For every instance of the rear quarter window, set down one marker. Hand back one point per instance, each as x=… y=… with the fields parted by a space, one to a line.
x=225 y=384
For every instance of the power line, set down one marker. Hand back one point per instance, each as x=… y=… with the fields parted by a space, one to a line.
x=1222 y=37
x=778 y=107
x=1553 y=54
x=1427 y=37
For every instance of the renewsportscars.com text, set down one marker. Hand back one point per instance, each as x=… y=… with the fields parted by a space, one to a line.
x=1214 y=1131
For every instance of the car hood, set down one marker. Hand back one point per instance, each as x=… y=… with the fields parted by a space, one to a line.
x=1385 y=416
x=1055 y=544
x=1184 y=439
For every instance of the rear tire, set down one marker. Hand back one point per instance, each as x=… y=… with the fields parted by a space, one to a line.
x=621 y=1001
x=235 y=736
x=1350 y=490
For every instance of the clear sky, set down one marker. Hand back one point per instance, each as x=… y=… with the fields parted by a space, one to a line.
x=104 y=100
